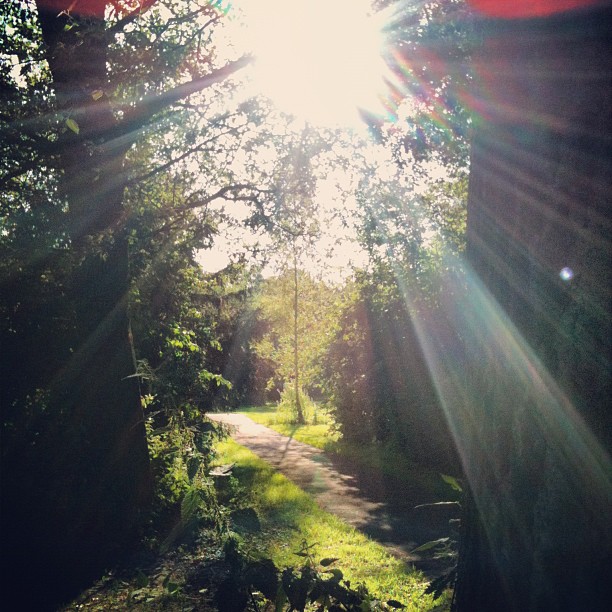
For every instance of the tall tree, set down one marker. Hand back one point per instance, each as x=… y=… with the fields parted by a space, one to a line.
x=318 y=308
x=537 y=446
x=293 y=225
x=104 y=74
x=531 y=316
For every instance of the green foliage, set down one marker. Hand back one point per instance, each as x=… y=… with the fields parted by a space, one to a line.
x=314 y=584
x=287 y=412
x=428 y=118
x=73 y=191
x=181 y=454
x=409 y=219
x=380 y=385
x=445 y=548
x=452 y=482
x=289 y=516
x=318 y=309
x=72 y=125
x=89 y=163
x=184 y=324
x=248 y=583
x=446 y=204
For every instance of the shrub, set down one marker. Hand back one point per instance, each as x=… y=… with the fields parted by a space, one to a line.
x=380 y=385
x=287 y=407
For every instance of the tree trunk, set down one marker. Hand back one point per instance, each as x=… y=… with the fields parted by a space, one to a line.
x=97 y=467
x=537 y=531
x=296 y=360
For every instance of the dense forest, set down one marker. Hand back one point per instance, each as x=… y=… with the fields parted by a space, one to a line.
x=434 y=278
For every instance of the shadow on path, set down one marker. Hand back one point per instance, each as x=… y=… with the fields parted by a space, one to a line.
x=377 y=505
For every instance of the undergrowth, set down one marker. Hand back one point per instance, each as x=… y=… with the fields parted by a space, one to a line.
x=289 y=517
x=243 y=537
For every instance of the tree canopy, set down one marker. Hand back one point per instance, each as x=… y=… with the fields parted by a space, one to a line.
x=470 y=329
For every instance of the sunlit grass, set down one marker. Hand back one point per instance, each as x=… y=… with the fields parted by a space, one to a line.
x=290 y=516
x=385 y=459
x=321 y=434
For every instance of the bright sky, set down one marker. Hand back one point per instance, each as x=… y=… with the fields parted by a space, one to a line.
x=317 y=60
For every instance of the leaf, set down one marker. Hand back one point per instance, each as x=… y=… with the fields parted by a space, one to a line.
x=141 y=580
x=202 y=444
x=453 y=482
x=173 y=587
x=337 y=575
x=73 y=125
x=97 y=94
x=296 y=588
x=366 y=605
x=161 y=430
x=193 y=465
x=281 y=599
x=440 y=584
x=170 y=451
x=396 y=604
x=205 y=427
x=328 y=561
x=431 y=544
x=138 y=594
x=189 y=505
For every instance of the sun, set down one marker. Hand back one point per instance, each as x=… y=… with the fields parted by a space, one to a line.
x=315 y=59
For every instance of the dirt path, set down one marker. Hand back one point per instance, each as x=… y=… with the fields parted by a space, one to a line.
x=363 y=498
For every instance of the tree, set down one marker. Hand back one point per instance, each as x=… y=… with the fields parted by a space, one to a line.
x=523 y=376
x=377 y=371
x=318 y=307
x=377 y=364
x=537 y=447
x=428 y=47
x=88 y=66
x=292 y=223
x=522 y=366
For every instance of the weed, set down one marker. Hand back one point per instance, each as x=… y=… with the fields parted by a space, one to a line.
x=289 y=516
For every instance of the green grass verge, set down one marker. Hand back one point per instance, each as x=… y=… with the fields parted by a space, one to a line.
x=385 y=459
x=319 y=435
x=290 y=516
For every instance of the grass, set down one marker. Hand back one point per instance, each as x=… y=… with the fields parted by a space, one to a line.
x=290 y=516
x=320 y=435
x=385 y=459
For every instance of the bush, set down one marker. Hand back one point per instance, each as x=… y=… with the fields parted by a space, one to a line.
x=251 y=585
x=380 y=385
x=287 y=407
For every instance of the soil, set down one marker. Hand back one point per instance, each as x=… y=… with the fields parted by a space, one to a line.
x=373 y=503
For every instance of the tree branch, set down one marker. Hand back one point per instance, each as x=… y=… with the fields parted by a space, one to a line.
x=222 y=193
x=130 y=17
x=126 y=131
x=153 y=172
